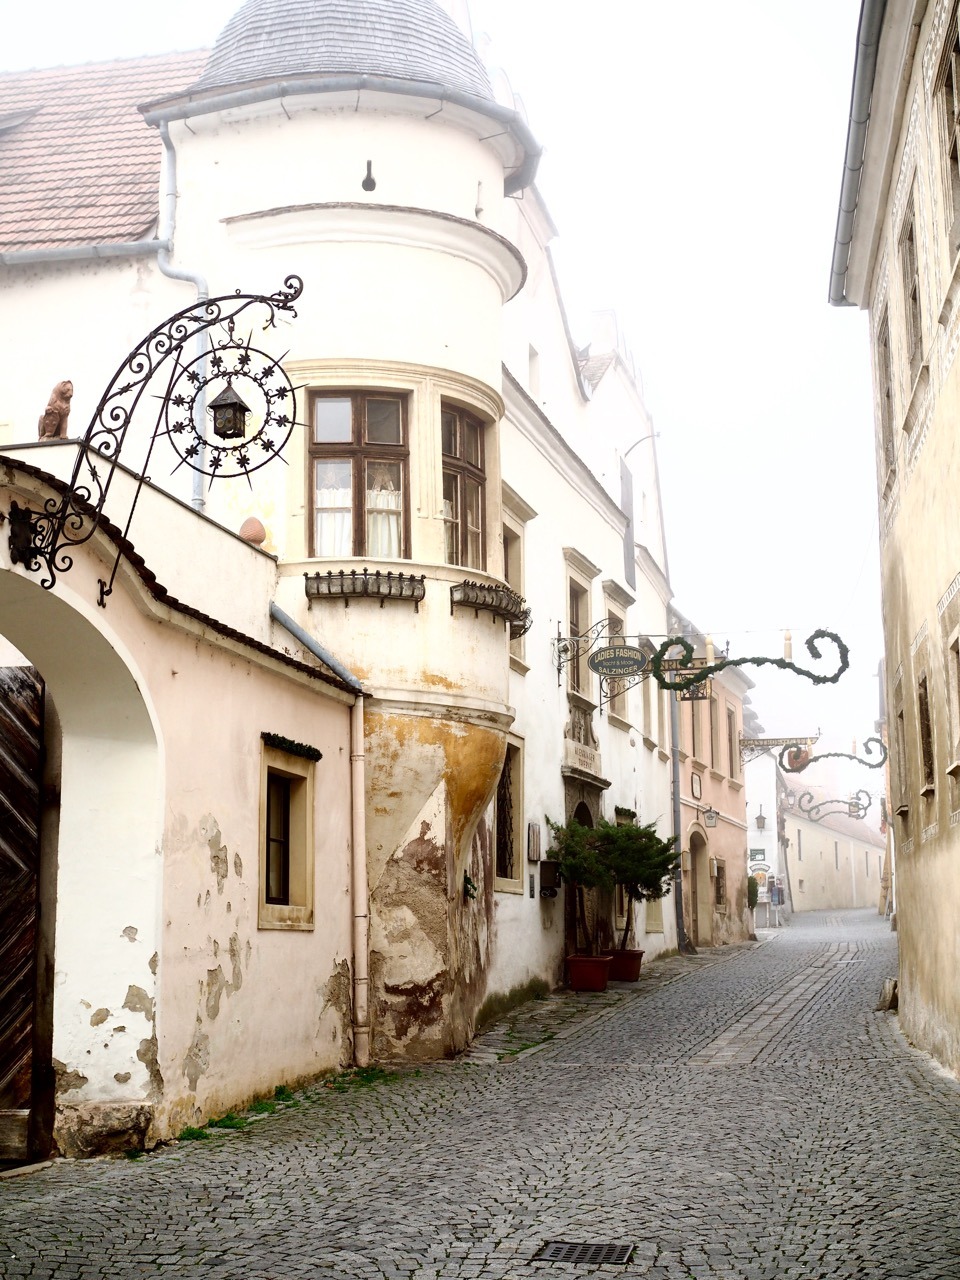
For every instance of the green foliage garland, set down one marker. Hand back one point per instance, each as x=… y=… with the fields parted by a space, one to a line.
x=676 y=680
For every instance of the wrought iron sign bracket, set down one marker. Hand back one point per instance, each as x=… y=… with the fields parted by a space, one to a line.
x=855 y=807
x=567 y=649
x=42 y=541
x=802 y=758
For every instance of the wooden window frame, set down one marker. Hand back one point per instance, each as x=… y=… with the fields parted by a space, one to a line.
x=733 y=744
x=462 y=471
x=512 y=769
x=578 y=622
x=910 y=279
x=297 y=912
x=925 y=732
x=884 y=365
x=358 y=451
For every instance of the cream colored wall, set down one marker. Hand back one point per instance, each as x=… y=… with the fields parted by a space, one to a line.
x=166 y=992
x=723 y=789
x=920 y=556
x=829 y=871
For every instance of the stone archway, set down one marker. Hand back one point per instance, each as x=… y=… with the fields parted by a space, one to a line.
x=697 y=895
x=99 y=831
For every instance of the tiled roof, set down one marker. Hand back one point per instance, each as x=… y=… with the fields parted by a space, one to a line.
x=594 y=367
x=78 y=165
x=402 y=39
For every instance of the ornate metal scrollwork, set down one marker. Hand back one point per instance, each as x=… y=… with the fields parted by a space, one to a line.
x=855 y=807
x=802 y=758
x=500 y=601
x=676 y=673
x=68 y=521
x=342 y=585
x=567 y=649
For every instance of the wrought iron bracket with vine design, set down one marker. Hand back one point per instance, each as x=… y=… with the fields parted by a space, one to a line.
x=677 y=675
x=567 y=649
x=44 y=540
x=803 y=760
x=855 y=807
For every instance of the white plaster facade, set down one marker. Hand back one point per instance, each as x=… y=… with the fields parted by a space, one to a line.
x=435 y=289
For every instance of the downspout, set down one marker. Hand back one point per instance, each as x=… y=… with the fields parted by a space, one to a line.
x=168 y=220
x=358 y=837
x=683 y=943
x=864 y=73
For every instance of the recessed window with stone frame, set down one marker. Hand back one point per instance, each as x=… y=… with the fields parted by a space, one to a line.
x=286 y=839
x=910 y=279
x=947 y=99
x=884 y=374
x=508 y=822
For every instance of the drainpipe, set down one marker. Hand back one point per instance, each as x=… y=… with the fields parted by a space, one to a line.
x=683 y=942
x=168 y=219
x=358 y=837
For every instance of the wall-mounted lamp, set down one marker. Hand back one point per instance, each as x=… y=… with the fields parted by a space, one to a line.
x=761 y=820
x=710 y=817
x=229 y=414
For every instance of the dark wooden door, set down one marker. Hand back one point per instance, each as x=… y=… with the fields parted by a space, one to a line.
x=21 y=761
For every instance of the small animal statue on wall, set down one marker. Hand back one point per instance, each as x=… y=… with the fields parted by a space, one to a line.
x=53 y=420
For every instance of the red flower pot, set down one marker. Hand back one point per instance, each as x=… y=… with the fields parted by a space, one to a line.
x=588 y=973
x=625 y=965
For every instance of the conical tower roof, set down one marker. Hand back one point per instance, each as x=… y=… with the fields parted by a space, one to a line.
x=413 y=40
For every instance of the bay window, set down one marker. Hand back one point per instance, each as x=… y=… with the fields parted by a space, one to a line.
x=358 y=475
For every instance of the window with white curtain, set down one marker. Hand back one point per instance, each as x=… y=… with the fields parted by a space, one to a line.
x=463 y=481
x=358 y=463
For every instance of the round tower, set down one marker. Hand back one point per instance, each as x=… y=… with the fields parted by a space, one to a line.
x=358 y=144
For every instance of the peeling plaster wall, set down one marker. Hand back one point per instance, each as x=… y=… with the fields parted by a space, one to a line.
x=429 y=782
x=169 y=1002
x=244 y=1008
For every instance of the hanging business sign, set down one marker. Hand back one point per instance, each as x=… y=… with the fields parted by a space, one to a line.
x=618 y=660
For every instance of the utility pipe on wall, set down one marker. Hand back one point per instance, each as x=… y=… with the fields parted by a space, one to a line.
x=168 y=219
x=359 y=887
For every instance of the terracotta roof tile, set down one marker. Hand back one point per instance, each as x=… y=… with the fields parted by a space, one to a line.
x=77 y=163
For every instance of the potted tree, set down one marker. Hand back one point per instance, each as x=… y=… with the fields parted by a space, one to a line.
x=583 y=865
x=643 y=864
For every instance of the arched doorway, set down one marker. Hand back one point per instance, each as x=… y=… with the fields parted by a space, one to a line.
x=82 y=757
x=700 y=906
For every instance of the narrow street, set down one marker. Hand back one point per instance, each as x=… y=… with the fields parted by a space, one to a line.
x=743 y=1114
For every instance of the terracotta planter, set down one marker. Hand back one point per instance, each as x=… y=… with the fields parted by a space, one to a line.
x=625 y=965
x=588 y=973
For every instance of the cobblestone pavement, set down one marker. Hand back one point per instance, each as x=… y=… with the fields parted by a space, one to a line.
x=743 y=1114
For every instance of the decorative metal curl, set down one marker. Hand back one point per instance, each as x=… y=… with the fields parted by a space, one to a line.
x=69 y=521
x=679 y=676
x=567 y=649
x=855 y=807
x=805 y=760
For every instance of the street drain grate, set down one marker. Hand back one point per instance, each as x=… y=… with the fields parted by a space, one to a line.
x=584 y=1254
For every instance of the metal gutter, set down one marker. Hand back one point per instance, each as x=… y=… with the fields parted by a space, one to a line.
x=313 y=645
x=864 y=73
x=206 y=102
x=84 y=252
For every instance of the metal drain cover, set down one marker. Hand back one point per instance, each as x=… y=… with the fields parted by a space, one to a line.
x=584 y=1254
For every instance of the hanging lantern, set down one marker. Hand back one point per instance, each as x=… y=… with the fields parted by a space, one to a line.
x=761 y=819
x=229 y=414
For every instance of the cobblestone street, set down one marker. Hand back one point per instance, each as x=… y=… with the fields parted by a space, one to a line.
x=745 y=1113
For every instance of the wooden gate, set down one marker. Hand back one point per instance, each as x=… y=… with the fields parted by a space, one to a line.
x=21 y=764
